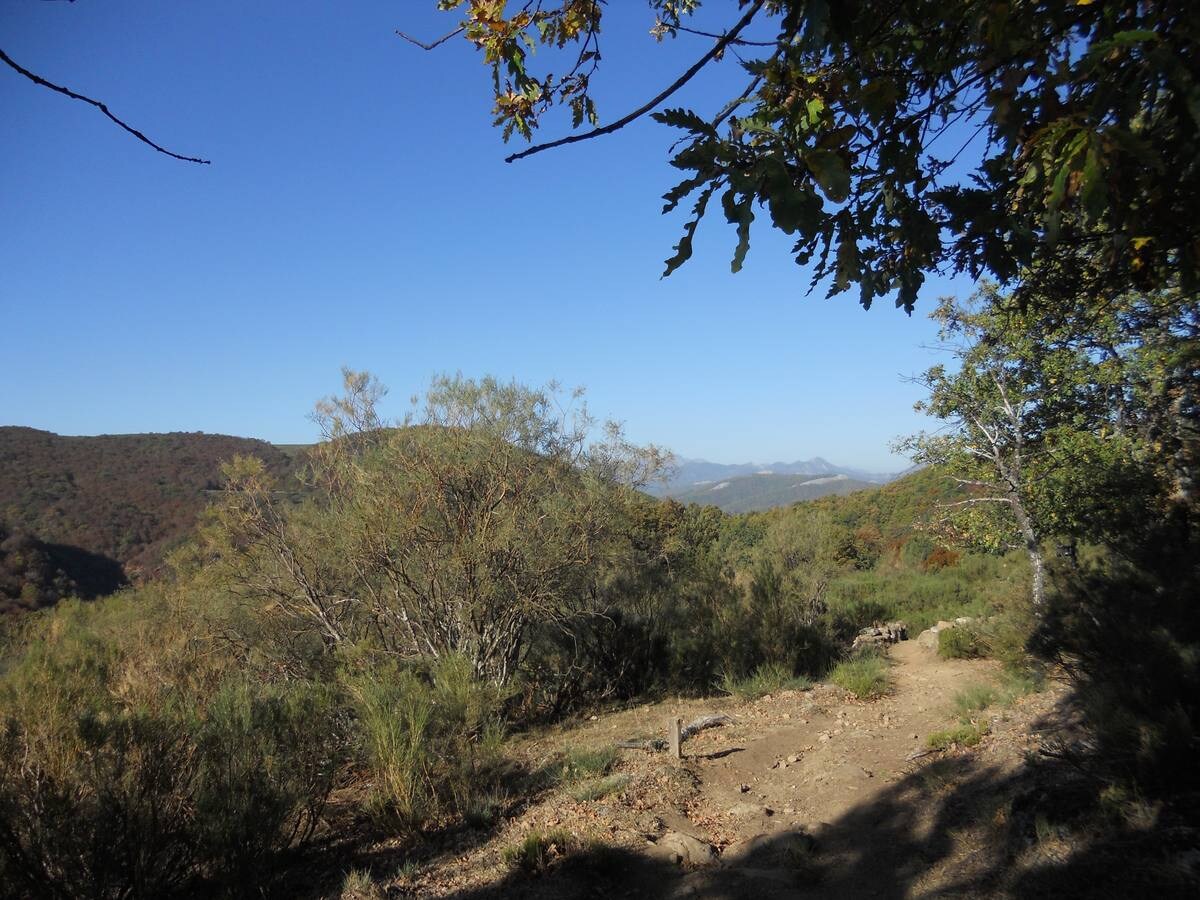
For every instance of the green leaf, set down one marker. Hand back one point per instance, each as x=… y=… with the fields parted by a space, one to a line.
x=830 y=171
x=685 y=119
x=741 y=212
x=683 y=250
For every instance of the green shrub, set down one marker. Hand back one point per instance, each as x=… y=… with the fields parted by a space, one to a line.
x=539 y=850
x=864 y=676
x=430 y=740
x=961 y=735
x=960 y=642
x=583 y=763
x=118 y=779
x=266 y=760
x=769 y=678
x=359 y=885
x=974 y=698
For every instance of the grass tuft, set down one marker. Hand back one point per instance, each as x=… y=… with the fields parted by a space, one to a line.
x=539 y=850
x=359 y=885
x=962 y=735
x=864 y=676
x=580 y=764
x=599 y=788
x=975 y=698
x=769 y=678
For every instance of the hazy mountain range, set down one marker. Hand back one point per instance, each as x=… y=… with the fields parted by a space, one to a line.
x=744 y=487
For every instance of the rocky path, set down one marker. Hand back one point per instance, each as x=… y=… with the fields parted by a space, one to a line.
x=833 y=774
x=808 y=793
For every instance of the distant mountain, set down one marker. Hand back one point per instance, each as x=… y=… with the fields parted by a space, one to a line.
x=750 y=486
x=750 y=493
x=126 y=498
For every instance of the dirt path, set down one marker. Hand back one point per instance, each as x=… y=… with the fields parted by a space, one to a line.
x=826 y=754
x=829 y=767
x=809 y=793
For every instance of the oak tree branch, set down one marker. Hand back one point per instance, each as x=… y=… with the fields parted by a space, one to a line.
x=728 y=38
x=38 y=79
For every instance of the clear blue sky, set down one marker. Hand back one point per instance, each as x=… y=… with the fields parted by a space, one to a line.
x=358 y=212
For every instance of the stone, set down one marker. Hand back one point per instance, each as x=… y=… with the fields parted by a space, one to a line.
x=768 y=849
x=684 y=850
x=877 y=635
x=748 y=810
x=793 y=759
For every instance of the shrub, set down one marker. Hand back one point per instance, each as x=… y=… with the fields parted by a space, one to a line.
x=119 y=780
x=266 y=762
x=430 y=740
x=359 y=885
x=768 y=678
x=588 y=762
x=864 y=676
x=961 y=735
x=974 y=698
x=598 y=788
x=960 y=642
x=539 y=850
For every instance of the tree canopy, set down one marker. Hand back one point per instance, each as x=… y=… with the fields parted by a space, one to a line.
x=898 y=139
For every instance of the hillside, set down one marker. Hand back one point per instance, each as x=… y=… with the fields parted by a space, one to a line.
x=752 y=493
x=126 y=498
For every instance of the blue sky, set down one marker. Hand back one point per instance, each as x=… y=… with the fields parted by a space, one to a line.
x=358 y=212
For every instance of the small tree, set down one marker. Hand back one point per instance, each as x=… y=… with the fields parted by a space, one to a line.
x=989 y=407
x=488 y=509
x=1068 y=422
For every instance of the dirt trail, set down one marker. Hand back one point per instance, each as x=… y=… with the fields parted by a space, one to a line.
x=838 y=752
x=824 y=759
x=809 y=793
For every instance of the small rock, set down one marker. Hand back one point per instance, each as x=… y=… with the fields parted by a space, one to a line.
x=684 y=850
x=748 y=810
x=744 y=788
x=793 y=759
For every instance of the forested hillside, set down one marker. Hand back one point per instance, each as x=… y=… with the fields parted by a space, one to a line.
x=128 y=498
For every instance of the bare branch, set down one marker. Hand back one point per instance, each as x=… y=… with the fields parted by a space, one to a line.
x=740 y=42
x=37 y=79
x=430 y=46
x=974 y=500
x=729 y=37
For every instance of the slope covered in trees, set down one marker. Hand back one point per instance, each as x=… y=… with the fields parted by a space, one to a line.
x=129 y=498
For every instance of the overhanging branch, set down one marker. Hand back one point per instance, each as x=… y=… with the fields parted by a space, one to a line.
x=38 y=79
x=432 y=44
x=728 y=38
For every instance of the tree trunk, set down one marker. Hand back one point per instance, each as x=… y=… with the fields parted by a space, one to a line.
x=1033 y=546
x=1039 y=573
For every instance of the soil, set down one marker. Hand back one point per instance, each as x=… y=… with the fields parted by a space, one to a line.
x=806 y=794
